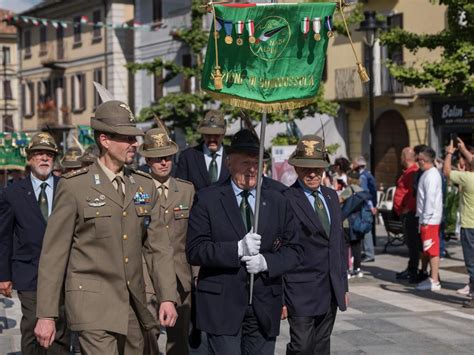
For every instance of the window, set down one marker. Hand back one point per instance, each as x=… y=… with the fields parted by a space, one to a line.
x=28 y=99
x=97 y=79
x=77 y=29
x=7 y=90
x=186 y=84
x=96 y=18
x=157 y=87
x=45 y=93
x=27 y=43
x=157 y=11
x=78 y=92
x=8 y=123
x=6 y=59
x=43 y=39
x=60 y=42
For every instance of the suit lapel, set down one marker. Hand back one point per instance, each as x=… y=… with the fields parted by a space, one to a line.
x=105 y=186
x=55 y=185
x=131 y=187
x=264 y=213
x=331 y=206
x=229 y=205
x=172 y=194
x=30 y=196
x=201 y=164
x=224 y=175
x=303 y=203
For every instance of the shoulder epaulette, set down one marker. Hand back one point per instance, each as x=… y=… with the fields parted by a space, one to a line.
x=142 y=173
x=75 y=173
x=185 y=181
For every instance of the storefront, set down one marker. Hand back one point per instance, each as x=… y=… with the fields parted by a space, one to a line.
x=451 y=118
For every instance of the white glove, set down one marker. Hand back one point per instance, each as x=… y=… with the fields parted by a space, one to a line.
x=255 y=264
x=249 y=245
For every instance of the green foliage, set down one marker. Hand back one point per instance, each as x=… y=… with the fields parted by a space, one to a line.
x=332 y=148
x=284 y=139
x=453 y=73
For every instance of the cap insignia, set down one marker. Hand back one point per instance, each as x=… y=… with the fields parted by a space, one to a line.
x=44 y=138
x=309 y=150
x=131 y=117
x=159 y=139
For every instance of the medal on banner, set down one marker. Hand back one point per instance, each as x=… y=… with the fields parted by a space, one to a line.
x=228 y=32
x=239 y=28
x=305 y=26
x=251 y=30
x=317 y=28
x=219 y=23
x=328 y=25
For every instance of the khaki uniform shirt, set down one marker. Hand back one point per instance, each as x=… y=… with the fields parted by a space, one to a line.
x=93 y=247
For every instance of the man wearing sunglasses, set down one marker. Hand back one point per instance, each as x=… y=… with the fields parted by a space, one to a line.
x=104 y=216
x=175 y=200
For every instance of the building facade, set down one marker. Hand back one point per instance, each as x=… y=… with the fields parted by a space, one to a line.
x=60 y=57
x=403 y=115
x=9 y=121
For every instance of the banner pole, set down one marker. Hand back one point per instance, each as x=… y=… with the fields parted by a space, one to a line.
x=263 y=125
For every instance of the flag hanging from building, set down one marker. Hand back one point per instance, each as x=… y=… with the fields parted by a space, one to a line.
x=274 y=62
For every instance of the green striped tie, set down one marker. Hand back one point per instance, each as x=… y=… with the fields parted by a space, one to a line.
x=321 y=211
x=213 y=169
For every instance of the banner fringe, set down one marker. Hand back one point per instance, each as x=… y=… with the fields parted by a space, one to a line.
x=261 y=107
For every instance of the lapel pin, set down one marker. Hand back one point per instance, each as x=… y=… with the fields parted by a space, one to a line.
x=132 y=180
x=97 y=179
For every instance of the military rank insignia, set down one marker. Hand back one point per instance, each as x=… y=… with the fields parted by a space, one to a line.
x=180 y=208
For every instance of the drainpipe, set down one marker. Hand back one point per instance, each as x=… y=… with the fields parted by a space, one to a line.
x=105 y=44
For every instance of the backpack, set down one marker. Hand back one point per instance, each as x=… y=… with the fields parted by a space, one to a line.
x=362 y=220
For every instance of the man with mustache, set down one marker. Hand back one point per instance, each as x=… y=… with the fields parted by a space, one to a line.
x=25 y=207
x=104 y=216
x=176 y=199
x=318 y=286
x=204 y=165
x=221 y=240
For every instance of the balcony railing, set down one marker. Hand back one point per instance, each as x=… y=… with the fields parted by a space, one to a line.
x=55 y=54
x=349 y=86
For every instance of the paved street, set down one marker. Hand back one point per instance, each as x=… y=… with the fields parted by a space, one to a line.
x=385 y=316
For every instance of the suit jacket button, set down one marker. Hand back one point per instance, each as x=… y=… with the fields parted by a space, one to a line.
x=80 y=287
x=126 y=260
x=167 y=226
x=125 y=237
x=128 y=282
x=124 y=213
x=166 y=211
x=97 y=213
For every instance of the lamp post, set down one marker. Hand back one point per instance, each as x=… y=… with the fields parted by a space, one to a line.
x=370 y=25
x=5 y=97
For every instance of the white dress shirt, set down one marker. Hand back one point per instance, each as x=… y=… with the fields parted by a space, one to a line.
x=208 y=158
x=49 y=189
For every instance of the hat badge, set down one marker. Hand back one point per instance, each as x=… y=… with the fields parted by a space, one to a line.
x=159 y=139
x=309 y=150
x=44 y=138
x=130 y=113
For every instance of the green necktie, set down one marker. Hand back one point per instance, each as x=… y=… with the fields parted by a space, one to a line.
x=246 y=210
x=213 y=169
x=321 y=211
x=43 y=201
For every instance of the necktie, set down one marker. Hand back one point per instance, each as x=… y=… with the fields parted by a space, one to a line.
x=321 y=211
x=162 y=192
x=213 y=169
x=246 y=210
x=119 y=181
x=43 y=201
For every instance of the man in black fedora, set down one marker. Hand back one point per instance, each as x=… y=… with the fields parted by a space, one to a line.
x=204 y=165
x=318 y=286
x=222 y=242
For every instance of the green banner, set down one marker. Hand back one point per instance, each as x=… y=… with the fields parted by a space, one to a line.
x=271 y=56
x=12 y=150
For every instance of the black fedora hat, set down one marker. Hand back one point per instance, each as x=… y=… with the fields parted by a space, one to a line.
x=245 y=141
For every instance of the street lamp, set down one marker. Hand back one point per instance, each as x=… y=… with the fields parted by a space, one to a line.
x=370 y=25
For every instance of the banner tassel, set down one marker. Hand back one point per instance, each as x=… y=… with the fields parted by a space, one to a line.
x=364 y=77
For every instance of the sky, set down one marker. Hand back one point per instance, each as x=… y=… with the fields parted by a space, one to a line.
x=18 y=5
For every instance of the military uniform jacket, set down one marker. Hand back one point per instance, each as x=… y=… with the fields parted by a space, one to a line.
x=322 y=276
x=93 y=246
x=215 y=227
x=173 y=219
x=22 y=228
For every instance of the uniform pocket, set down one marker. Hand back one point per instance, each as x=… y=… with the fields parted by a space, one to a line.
x=181 y=214
x=102 y=220
x=83 y=300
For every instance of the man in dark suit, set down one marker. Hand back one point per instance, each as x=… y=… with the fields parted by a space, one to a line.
x=204 y=165
x=24 y=210
x=315 y=289
x=221 y=241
